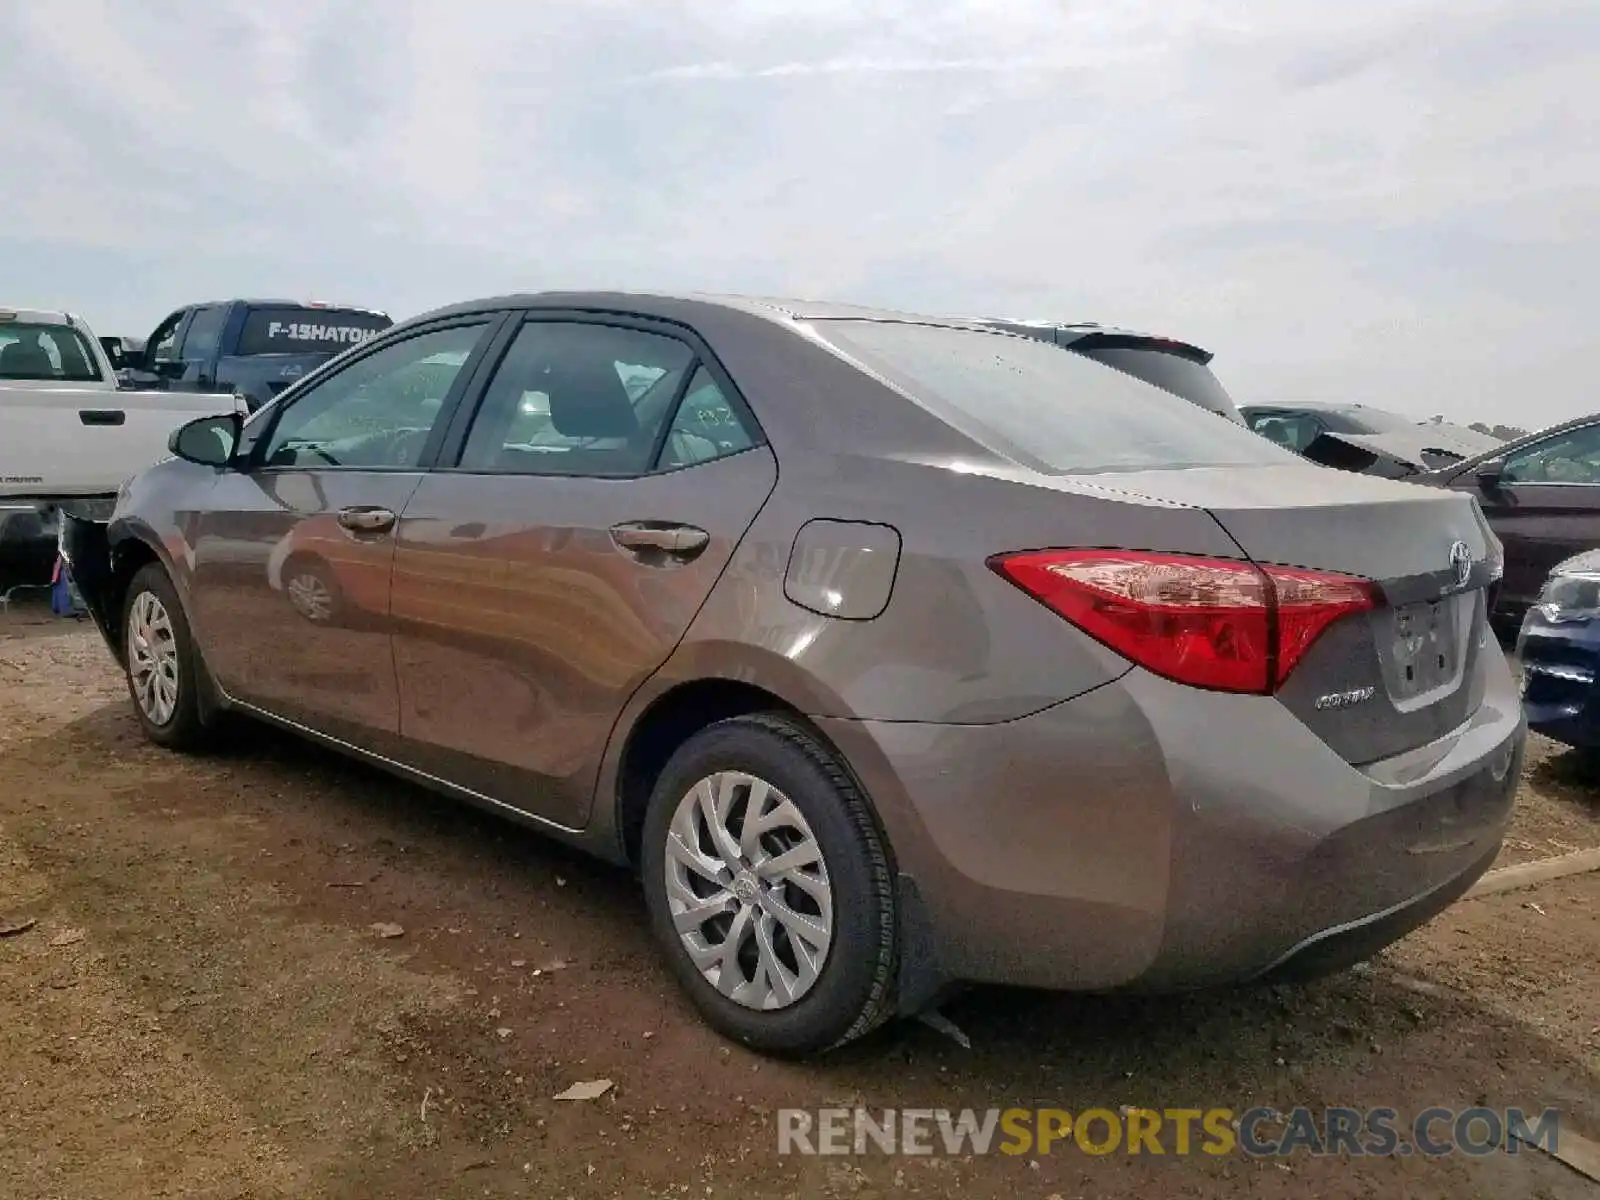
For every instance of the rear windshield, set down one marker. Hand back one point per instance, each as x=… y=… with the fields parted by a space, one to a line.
x=1055 y=412
x=307 y=330
x=45 y=352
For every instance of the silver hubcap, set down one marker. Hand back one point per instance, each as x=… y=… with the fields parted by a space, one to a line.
x=153 y=658
x=311 y=597
x=748 y=890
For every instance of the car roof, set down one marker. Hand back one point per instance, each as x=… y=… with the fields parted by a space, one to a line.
x=679 y=305
x=38 y=316
x=280 y=302
x=1348 y=407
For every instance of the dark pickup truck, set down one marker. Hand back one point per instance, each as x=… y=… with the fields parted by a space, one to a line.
x=253 y=347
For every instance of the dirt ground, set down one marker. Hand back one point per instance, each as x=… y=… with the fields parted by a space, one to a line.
x=204 y=1009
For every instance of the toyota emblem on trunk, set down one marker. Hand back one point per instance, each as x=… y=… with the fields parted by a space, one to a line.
x=1461 y=563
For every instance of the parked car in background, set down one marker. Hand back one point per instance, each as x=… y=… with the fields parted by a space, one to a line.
x=42 y=350
x=1559 y=649
x=1541 y=496
x=1178 y=367
x=256 y=348
x=958 y=694
x=66 y=431
x=1372 y=441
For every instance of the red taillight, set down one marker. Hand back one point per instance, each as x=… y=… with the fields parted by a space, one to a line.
x=1214 y=623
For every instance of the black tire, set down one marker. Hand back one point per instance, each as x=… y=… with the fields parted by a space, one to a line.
x=186 y=728
x=854 y=989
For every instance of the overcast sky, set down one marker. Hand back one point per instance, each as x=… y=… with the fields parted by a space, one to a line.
x=1391 y=201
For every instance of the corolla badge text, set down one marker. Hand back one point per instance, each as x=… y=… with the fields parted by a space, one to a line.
x=1345 y=699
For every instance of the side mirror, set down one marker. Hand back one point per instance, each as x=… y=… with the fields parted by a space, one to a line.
x=1489 y=474
x=208 y=441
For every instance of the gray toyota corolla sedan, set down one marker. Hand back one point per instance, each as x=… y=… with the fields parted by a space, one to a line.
x=895 y=652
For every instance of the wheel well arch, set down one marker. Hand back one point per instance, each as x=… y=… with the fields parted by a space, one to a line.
x=128 y=557
x=671 y=719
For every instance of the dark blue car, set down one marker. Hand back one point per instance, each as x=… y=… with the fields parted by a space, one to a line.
x=255 y=348
x=1559 y=645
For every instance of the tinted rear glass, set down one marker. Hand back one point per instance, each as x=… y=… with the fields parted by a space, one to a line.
x=45 y=352
x=307 y=330
x=1063 y=413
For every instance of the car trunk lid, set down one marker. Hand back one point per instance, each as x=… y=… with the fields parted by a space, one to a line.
x=1406 y=672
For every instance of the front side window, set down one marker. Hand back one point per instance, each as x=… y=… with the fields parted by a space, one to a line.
x=30 y=350
x=1571 y=457
x=573 y=398
x=378 y=411
x=164 y=342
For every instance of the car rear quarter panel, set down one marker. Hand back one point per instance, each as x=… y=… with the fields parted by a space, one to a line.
x=956 y=643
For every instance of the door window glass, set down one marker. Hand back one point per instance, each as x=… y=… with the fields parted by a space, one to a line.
x=205 y=330
x=378 y=411
x=164 y=342
x=704 y=427
x=38 y=351
x=576 y=399
x=1571 y=457
x=1292 y=431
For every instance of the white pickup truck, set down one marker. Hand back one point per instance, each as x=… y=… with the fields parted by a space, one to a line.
x=68 y=434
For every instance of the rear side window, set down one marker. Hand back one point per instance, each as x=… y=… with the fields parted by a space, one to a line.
x=1571 y=457
x=307 y=330
x=576 y=399
x=705 y=426
x=205 y=330
x=1060 y=413
x=45 y=352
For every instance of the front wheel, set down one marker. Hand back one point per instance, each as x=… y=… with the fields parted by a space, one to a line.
x=162 y=664
x=769 y=887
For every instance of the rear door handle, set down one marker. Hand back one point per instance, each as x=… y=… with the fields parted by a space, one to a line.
x=680 y=541
x=366 y=520
x=102 y=416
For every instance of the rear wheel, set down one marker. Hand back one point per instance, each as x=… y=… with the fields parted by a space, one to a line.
x=162 y=664
x=769 y=887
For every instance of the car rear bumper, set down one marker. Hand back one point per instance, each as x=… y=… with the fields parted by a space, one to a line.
x=1137 y=837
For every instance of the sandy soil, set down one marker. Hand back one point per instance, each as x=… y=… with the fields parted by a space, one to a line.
x=203 y=1008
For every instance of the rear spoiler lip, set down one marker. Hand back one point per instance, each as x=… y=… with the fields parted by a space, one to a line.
x=1127 y=339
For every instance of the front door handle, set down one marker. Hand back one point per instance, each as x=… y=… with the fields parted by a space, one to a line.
x=366 y=520
x=679 y=541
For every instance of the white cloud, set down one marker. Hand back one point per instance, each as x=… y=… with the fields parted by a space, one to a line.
x=1391 y=201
